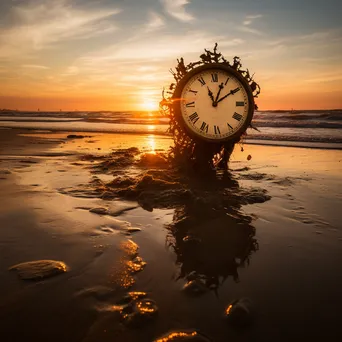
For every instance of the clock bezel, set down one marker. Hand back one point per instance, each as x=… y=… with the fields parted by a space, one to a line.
x=178 y=108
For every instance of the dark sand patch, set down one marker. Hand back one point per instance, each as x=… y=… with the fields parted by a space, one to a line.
x=40 y=269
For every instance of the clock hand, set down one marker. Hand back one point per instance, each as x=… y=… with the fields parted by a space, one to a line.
x=232 y=92
x=211 y=95
x=221 y=86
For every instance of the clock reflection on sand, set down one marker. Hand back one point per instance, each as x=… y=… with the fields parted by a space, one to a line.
x=211 y=236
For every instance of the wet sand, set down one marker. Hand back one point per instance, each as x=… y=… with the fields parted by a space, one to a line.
x=148 y=252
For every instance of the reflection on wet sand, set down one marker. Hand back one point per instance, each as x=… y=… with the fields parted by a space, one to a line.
x=210 y=234
x=211 y=248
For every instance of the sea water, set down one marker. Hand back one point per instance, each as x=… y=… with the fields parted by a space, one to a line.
x=310 y=128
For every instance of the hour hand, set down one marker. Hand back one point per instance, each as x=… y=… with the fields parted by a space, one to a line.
x=211 y=95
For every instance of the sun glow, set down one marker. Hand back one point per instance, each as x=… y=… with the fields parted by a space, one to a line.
x=149 y=105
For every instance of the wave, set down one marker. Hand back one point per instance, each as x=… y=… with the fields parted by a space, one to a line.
x=307 y=124
x=300 y=127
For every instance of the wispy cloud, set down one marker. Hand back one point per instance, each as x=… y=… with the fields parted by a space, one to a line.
x=35 y=66
x=246 y=25
x=40 y=24
x=155 y=22
x=176 y=8
x=157 y=48
x=249 y=18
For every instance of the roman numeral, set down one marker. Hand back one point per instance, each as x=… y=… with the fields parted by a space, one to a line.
x=226 y=81
x=194 y=91
x=230 y=126
x=190 y=104
x=194 y=117
x=217 y=129
x=237 y=116
x=201 y=80
x=235 y=90
x=240 y=103
x=204 y=127
x=214 y=77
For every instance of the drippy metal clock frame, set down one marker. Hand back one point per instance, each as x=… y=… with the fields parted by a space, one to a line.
x=171 y=104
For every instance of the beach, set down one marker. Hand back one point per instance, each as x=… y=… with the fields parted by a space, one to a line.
x=274 y=236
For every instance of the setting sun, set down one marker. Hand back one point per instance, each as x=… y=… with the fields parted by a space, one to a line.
x=149 y=105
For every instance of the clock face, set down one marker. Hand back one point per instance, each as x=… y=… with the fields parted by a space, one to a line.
x=216 y=103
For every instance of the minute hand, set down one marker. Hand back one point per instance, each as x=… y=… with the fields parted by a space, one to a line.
x=232 y=92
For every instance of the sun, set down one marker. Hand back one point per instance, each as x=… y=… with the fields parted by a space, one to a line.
x=149 y=105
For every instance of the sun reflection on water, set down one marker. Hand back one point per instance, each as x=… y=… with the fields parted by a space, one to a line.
x=151 y=144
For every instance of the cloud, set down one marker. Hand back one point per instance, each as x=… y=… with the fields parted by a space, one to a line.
x=147 y=48
x=250 y=30
x=176 y=8
x=35 y=66
x=247 y=22
x=255 y=16
x=155 y=22
x=71 y=71
x=39 y=25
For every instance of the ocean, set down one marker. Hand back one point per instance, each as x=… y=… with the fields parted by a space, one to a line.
x=309 y=128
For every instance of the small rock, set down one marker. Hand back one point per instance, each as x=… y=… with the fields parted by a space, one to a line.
x=143 y=310
x=99 y=211
x=99 y=292
x=178 y=336
x=106 y=229
x=195 y=287
x=191 y=239
x=75 y=136
x=240 y=312
x=136 y=310
x=40 y=269
x=133 y=229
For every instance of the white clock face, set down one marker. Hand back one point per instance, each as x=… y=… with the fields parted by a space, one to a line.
x=214 y=104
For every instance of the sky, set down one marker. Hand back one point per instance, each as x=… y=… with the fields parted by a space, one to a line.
x=116 y=54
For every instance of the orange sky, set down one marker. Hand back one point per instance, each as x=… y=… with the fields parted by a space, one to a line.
x=116 y=56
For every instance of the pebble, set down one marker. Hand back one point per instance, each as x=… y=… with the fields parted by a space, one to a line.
x=39 y=269
x=136 y=309
x=99 y=211
x=240 y=312
x=175 y=336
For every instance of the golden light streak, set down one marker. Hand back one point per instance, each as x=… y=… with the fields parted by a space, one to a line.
x=152 y=144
